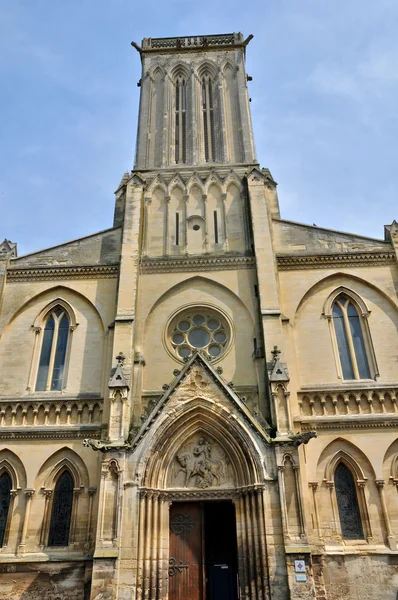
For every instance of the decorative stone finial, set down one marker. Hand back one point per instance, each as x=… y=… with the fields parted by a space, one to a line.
x=275 y=353
x=120 y=358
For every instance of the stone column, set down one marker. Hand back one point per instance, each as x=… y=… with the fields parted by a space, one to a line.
x=44 y=525
x=91 y=493
x=29 y=495
x=314 y=486
x=281 y=481
x=166 y=227
x=392 y=543
x=361 y=487
x=224 y=221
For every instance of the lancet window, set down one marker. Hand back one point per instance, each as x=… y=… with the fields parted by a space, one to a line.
x=5 y=498
x=180 y=120
x=208 y=118
x=61 y=513
x=350 y=337
x=50 y=375
x=347 y=502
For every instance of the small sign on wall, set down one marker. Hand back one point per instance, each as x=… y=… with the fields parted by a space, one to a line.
x=299 y=566
x=301 y=577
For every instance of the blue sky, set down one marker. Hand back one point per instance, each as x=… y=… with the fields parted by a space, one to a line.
x=324 y=103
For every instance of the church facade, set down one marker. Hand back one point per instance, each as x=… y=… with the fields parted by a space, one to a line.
x=201 y=401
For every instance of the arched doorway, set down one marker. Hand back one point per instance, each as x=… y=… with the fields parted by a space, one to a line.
x=201 y=509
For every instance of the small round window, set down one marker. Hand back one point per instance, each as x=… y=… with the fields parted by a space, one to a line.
x=199 y=329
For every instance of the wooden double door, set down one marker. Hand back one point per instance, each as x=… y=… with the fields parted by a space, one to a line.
x=203 y=551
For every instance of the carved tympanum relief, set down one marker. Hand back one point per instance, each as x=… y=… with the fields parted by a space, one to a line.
x=201 y=463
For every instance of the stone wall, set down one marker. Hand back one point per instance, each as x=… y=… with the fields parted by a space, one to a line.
x=47 y=581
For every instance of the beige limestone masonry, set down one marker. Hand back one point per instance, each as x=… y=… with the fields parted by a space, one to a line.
x=139 y=428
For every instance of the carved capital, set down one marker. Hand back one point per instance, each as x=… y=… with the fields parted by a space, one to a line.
x=380 y=483
x=313 y=485
x=29 y=493
x=47 y=493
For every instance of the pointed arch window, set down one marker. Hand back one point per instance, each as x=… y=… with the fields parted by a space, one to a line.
x=5 y=499
x=347 y=502
x=208 y=118
x=351 y=339
x=180 y=120
x=51 y=371
x=61 y=512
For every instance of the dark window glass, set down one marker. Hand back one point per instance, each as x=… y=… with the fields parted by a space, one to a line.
x=5 y=489
x=347 y=502
x=359 y=345
x=215 y=227
x=342 y=343
x=177 y=229
x=45 y=355
x=180 y=121
x=60 y=354
x=61 y=511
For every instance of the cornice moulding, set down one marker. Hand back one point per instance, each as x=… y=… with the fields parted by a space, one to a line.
x=352 y=422
x=70 y=272
x=323 y=261
x=60 y=432
x=220 y=263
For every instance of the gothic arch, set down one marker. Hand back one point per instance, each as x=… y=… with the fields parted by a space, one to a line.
x=65 y=458
x=348 y=278
x=207 y=68
x=228 y=65
x=156 y=70
x=188 y=283
x=11 y=463
x=232 y=179
x=195 y=181
x=57 y=292
x=158 y=182
x=341 y=450
x=179 y=70
x=57 y=302
x=359 y=301
x=200 y=417
x=213 y=179
x=390 y=462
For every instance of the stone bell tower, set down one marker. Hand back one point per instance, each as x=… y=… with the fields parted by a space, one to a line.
x=189 y=401
x=194 y=108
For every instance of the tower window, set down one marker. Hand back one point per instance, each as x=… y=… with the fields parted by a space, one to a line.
x=180 y=121
x=215 y=227
x=5 y=491
x=53 y=351
x=61 y=513
x=350 y=339
x=177 y=229
x=208 y=119
x=347 y=502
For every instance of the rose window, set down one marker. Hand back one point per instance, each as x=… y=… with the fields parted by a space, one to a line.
x=199 y=330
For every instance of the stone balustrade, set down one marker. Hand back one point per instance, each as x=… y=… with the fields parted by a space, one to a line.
x=351 y=402
x=54 y=412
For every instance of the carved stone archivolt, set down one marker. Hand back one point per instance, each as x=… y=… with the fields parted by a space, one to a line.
x=201 y=463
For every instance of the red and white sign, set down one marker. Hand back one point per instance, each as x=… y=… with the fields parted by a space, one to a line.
x=299 y=566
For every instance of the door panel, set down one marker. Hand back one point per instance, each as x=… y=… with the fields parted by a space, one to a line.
x=185 y=559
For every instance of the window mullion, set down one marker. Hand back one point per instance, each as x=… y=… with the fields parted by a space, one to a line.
x=350 y=343
x=52 y=355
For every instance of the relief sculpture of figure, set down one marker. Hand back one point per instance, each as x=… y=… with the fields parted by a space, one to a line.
x=200 y=465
